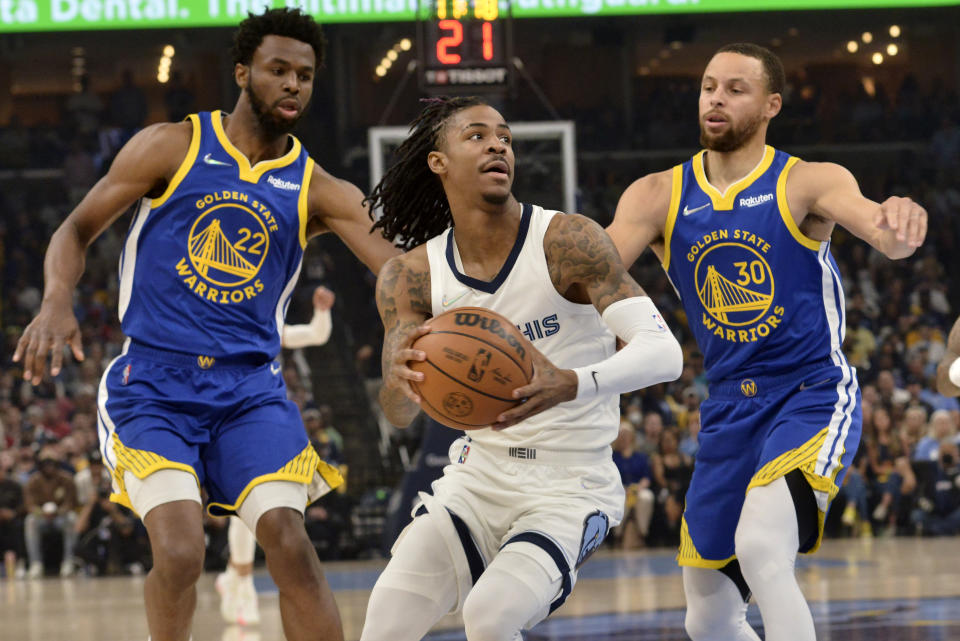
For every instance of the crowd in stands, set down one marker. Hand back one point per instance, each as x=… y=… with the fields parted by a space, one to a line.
x=54 y=489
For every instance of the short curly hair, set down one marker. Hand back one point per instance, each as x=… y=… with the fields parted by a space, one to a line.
x=290 y=23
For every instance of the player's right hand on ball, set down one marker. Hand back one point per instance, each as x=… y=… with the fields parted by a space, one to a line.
x=400 y=373
x=54 y=327
x=549 y=386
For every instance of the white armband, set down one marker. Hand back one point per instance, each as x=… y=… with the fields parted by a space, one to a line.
x=651 y=354
x=316 y=333
x=954 y=372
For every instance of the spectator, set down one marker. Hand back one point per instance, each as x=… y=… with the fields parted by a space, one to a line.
x=109 y=536
x=671 y=473
x=649 y=441
x=690 y=444
x=636 y=478
x=11 y=520
x=178 y=98
x=941 y=428
x=83 y=109
x=939 y=515
x=128 y=106
x=50 y=498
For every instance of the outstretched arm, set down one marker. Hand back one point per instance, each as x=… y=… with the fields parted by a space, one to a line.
x=403 y=299
x=948 y=372
x=337 y=205
x=143 y=166
x=641 y=216
x=317 y=331
x=585 y=266
x=895 y=227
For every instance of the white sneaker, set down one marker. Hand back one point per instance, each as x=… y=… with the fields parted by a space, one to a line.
x=248 y=610
x=226 y=585
x=36 y=570
x=66 y=569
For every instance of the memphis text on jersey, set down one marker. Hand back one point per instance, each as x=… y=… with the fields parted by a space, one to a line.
x=227 y=246
x=735 y=285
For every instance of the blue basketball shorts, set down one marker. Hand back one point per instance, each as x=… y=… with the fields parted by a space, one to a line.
x=226 y=421
x=758 y=429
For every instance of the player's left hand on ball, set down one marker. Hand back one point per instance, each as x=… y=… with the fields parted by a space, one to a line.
x=400 y=373
x=323 y=299
x=905 y=217
x=549 y=386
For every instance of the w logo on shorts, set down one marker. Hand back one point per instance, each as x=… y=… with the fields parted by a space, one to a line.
x=595 y=528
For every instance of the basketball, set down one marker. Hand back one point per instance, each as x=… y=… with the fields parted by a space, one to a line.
x=475 y=359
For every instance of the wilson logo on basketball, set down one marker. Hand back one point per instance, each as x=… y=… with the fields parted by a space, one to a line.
x=492 y=325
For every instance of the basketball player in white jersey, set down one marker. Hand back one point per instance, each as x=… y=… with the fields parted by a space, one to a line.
x=238 y=597
x=743 y=231
x=948 y=372
x=524 y=502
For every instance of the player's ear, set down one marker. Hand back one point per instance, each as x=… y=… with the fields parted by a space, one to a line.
x=241 y=74
x=774 y=104
x=437 y=162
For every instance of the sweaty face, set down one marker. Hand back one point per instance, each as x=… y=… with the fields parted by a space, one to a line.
x=733 y=101
x=280 y=83
x=478 y=153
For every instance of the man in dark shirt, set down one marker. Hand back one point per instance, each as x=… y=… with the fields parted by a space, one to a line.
x=51 y=501
x=939 y=511
x=11 y=519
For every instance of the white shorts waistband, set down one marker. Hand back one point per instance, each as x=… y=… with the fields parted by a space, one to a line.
x=543 y=455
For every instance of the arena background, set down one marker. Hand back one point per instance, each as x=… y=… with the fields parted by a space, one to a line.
x=873 y=86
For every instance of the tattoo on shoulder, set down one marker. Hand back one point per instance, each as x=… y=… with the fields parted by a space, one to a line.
x=580 y=252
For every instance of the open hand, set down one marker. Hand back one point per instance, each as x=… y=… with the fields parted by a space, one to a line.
x=54 y=327
x=907 y=218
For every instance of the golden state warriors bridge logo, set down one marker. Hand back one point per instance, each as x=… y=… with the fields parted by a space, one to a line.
x=735 y=285
x=226 y=248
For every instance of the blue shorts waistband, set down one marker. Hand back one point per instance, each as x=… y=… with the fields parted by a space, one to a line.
x=761 y=384
x=195 y=361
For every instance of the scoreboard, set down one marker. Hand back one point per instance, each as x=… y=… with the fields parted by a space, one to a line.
x=464 y=45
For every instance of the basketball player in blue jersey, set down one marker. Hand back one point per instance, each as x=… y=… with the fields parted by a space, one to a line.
x=226 y=204
x=526 y=501
x=238 y=596
x=948 y=371
x=743 y=232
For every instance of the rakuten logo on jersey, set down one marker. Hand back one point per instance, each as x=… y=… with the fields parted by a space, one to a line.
x=282 y=184
x=753 y=201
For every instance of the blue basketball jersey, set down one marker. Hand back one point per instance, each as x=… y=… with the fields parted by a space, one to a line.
x=209 y=266
x=759 y=296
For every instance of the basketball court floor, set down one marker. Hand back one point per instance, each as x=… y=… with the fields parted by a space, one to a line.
x=860 y=589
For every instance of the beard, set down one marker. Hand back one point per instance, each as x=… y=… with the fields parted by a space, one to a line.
x=272 y=126
x=733 y=138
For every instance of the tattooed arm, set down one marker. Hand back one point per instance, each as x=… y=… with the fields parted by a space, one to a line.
x=584 y=264
x=403 y=299
x=586 y=268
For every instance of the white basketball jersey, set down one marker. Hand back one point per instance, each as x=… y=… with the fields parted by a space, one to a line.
x=569 y=334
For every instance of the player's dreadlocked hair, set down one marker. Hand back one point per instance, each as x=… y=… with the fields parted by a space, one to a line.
x=290 y=23
x=414 y=206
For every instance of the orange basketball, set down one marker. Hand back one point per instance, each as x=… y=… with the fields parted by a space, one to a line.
x=475 y=359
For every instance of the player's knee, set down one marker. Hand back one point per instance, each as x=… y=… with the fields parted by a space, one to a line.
x=759 y=552
x=178 y=561
x=483 y=620
x=703 y=623
x=281 y=533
